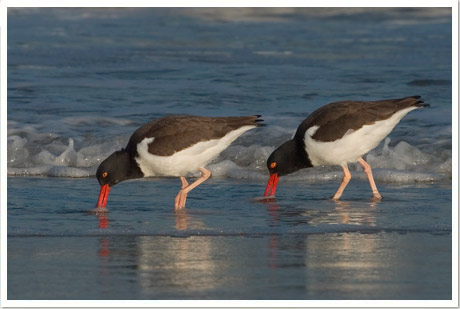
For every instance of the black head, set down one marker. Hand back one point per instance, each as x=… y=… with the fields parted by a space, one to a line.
x=288 y=158
x=117 y=167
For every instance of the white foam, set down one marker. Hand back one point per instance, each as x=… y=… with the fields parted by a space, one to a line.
x=405 y=157
x=31 y=152
x=61 y=171
x=17 y=152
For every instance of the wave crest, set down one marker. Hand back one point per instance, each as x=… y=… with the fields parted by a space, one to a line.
x=31 y=153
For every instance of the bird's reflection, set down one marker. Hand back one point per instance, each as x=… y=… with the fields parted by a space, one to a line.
x=103 y=223
x=198 y=264
x=181 y=219
x=273 y=249
x=104 y=247
x=189 y=220
x=343 y=209
x=313 y=214
x=188 y=263
x=355 y=215
x=273 y=242
x=272 y=210
x=103 y=220
x=374 y=203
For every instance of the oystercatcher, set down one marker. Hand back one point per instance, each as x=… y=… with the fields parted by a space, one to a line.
x=172 y=146
x=336 y=134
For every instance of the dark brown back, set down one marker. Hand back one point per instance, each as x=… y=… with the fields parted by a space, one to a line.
x=335 y=119
x=174 y=133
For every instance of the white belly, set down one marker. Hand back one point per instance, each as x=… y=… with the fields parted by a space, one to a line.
x=353 y=144
x=184 y=161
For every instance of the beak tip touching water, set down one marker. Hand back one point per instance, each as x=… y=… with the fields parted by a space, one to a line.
x=103 y=195
x=271 y=186
x=268 y=194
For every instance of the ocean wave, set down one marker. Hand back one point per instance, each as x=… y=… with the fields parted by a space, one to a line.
x=32 y=153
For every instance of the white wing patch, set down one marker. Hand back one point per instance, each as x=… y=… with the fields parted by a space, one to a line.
x=311 y=131
x=353 y=145
x=187 y=160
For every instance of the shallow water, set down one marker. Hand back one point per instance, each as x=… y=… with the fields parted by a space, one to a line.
x=81 y=80
x=226 y=246
x=220 y=207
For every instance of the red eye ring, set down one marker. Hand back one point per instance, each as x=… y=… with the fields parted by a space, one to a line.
x=273 y=165
x=104 y=174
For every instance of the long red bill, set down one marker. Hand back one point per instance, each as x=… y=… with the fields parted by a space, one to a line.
x=271 y=185
x=103 y=195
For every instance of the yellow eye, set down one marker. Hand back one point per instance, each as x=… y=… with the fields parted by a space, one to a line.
x=273 y=165
x=104 y=174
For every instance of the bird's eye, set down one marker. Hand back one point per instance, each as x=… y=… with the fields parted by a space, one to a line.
x=273 y=165
x=104 y=174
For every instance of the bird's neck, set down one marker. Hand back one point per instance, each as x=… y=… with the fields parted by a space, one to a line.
x=302 y=158
x=135 y=171
x=132 y=170
x=296 y=156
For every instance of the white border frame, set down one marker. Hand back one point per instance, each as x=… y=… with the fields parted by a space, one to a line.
x=227 y=303
x=455 y=184
x=3 y=155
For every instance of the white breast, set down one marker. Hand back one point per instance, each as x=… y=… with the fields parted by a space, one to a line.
x=353 y=144
x=184 y=161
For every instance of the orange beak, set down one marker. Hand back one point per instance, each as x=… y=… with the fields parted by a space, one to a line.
x=271 y=185
x=103 y=195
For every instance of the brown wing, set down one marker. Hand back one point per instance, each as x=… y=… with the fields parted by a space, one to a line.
x=335 y=119
x=174 y=133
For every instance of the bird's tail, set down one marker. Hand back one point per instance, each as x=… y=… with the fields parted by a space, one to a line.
x=418 y=101
x=240 y=121
x=258 y=121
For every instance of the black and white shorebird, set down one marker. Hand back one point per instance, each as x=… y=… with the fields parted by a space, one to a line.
x=172 y=146
x=337 y=134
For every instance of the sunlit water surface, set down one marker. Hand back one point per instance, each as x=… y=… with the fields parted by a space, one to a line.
x=81 y=80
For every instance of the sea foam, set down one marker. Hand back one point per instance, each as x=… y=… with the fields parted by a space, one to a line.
x=31 y=153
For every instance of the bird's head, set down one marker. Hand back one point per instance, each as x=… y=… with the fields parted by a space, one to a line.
x=113 y=169
x=116 y=168
x=286 y=159
x=276 y=168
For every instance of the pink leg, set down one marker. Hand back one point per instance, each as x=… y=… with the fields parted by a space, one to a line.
x=345 y=181
x=367 y=169
x=184 y=182
x=181 y=197
x=178 y=199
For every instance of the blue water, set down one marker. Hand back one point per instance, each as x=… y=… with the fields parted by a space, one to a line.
x=80 y=81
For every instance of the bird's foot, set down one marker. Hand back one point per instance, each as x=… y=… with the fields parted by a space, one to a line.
x=98 y=211
x=376 y=197
x=335 y=198
x=263 y=199
x=179 y=201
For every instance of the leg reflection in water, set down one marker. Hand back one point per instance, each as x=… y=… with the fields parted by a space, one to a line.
x=103 y=221
x=181 y=219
